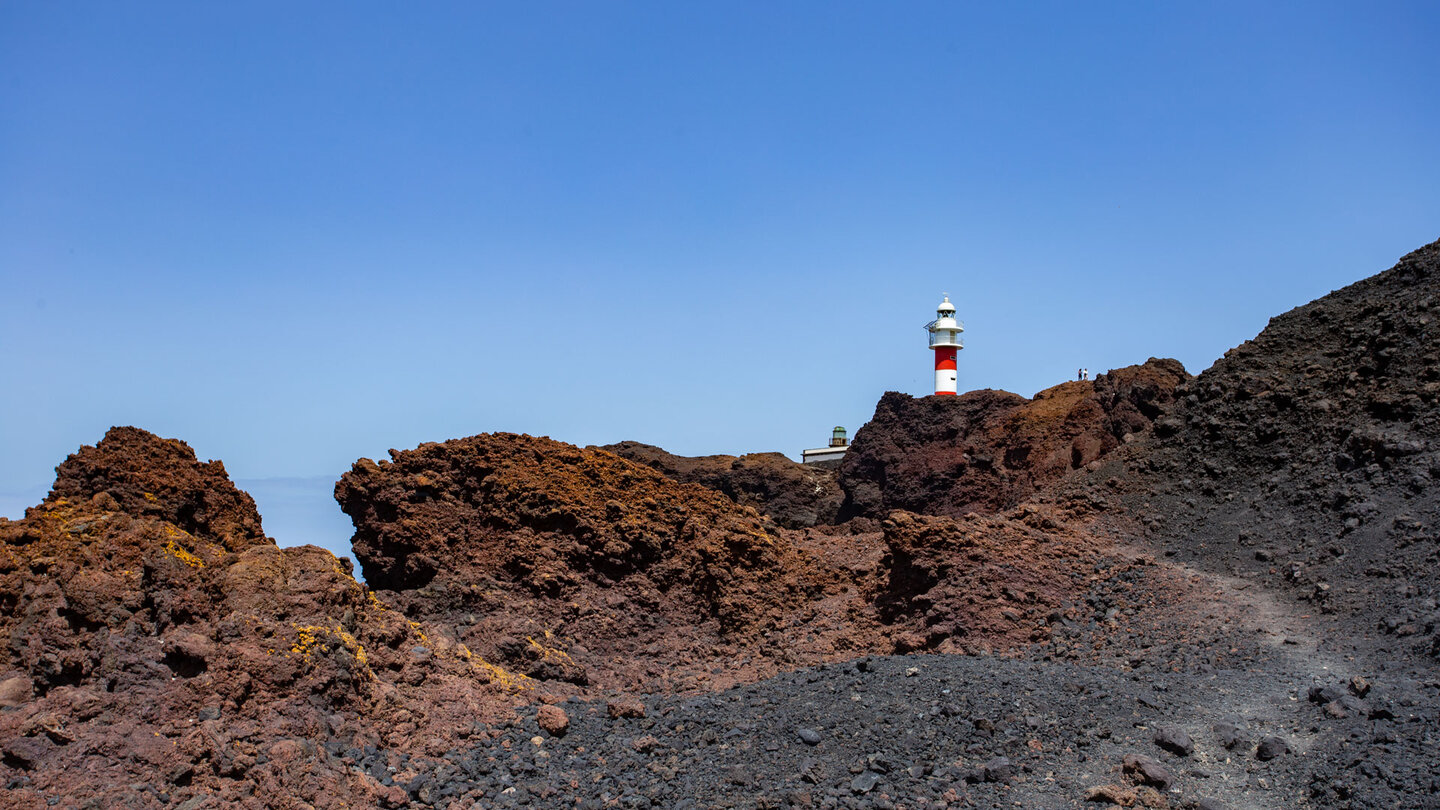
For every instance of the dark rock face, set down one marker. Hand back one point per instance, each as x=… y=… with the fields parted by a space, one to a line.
x=1309 y=456
x=161 y=478
x=985 y=451
x=794 y=495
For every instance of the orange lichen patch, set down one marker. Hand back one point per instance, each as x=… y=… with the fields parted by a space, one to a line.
x=495 y=674
x=310 y=637
x=306 y=640
x=150 y=496
x=179 y=552
x=352 y=644
x=548 y=652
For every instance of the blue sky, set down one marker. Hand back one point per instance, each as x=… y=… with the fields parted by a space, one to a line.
x=297 y=234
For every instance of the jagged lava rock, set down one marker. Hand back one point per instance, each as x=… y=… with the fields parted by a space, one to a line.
x=159 y=645
x=575 y=565
x=161 y=478
x=547 y=514
x=988 y=450
x=793 y=495
x=981 y=579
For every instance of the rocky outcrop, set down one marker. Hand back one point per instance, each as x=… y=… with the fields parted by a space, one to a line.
x=570 y=564
x=794 y=495
x=550 y=516
x=950 y=582
x=159 y=478
x=158 y=649
x=987 y=450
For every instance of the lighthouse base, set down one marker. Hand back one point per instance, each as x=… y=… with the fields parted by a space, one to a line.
x=945 y=377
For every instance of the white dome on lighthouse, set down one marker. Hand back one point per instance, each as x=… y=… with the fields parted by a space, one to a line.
x=945 y=330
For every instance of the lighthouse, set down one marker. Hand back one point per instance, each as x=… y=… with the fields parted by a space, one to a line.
x=945 y=340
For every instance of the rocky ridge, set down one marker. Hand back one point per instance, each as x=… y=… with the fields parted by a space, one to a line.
x=795 y=496
x=986 y=451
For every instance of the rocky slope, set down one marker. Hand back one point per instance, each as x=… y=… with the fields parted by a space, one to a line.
x=794 y=495
x=986 y=451
x=161 y=651
x=1307 y=456
x=574 y=565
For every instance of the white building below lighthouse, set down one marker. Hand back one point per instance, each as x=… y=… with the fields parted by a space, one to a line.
x=945 y=340
x=828 y=457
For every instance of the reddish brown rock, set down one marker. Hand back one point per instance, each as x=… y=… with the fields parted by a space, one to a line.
x=953 y=584
x=987 y=451
x=15 y=691
x=560 y=563
x=547 y=514
x=166 y=638
x=623 y=707
x=553 y=720
x=148 y=476
x=794 y=495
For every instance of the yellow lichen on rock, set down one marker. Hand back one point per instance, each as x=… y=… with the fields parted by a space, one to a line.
x=179 y=552
x=309 y=637
x=550 y=653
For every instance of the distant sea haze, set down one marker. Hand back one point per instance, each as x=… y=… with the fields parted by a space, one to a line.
x=300 y=511
x=294 y=511
x=14 y=503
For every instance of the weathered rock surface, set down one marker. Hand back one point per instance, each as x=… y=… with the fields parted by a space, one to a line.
x=1307 y=457
x=986 y=451
x=794 y=495
x=159 y=478
x=158 y=649
x=575 y=566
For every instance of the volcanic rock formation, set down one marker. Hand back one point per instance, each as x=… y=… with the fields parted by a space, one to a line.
x=155 y=637
x=794 y=495
x=1309 y=456
x=988 y=450
x=576 y=565
x=161 y=478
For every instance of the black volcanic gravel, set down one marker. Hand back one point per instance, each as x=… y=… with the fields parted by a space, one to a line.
x=953 y=731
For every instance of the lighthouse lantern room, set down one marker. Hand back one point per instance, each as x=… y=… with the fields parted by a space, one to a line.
x=945 y=340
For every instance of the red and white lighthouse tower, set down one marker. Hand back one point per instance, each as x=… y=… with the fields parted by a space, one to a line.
x=945 y=340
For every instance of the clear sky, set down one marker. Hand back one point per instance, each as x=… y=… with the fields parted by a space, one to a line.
x=294 y=234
